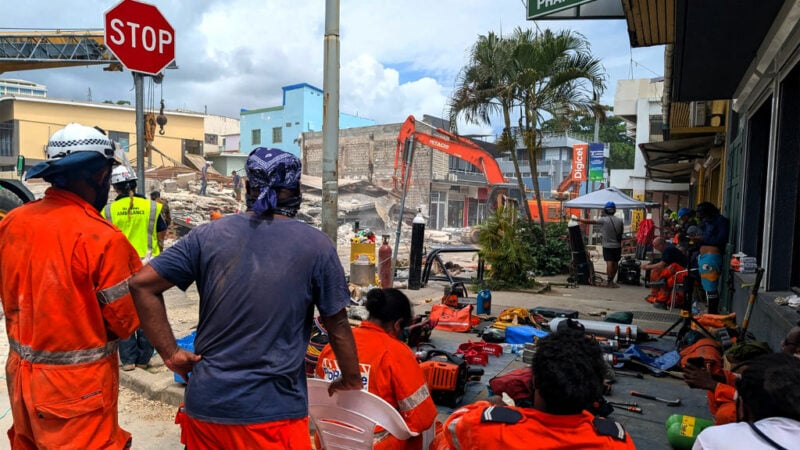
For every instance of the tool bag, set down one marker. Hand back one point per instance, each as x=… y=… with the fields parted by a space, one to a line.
x=517 y=384
x=446 y=318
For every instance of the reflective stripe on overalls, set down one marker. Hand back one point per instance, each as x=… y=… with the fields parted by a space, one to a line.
x=62 y=358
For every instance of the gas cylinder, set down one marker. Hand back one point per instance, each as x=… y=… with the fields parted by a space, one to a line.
x=385 y=263
x=683 y=430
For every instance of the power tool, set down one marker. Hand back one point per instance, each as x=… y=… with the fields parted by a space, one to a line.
x=447 y=376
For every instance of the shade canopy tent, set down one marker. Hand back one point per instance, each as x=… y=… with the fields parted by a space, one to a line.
x=598 y=199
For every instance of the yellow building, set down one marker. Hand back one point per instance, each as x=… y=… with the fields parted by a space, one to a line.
x=26 y=124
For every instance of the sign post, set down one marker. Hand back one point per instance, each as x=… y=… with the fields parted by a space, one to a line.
x=144 y=42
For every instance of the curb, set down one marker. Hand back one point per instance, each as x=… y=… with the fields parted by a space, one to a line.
x=155 y=386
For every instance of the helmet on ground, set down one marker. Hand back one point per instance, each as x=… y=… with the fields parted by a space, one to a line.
x=683 y=211
x=122 y=174
x=72 y=148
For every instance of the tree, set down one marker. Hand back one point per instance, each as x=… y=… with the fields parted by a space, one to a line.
x=555 y=75
x=612 y=131
x=484 y=87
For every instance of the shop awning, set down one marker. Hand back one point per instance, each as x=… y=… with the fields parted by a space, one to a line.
x=673 y=161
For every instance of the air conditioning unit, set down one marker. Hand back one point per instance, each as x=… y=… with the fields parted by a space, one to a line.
x=452 y=177
x=697 y=114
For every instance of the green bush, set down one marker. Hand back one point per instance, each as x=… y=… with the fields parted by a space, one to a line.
x=551 y=253
x=509 y=254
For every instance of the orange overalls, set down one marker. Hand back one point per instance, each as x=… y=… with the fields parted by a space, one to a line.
x=480 y=426
x=663 y=293
x=389 y=370
x=64 y=286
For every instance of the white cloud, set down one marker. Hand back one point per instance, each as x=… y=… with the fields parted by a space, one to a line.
x=397 y=58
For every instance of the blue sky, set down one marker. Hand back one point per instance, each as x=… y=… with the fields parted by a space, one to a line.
x=397 y=58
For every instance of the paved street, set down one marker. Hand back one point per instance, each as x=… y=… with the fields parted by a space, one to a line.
x=147 y=398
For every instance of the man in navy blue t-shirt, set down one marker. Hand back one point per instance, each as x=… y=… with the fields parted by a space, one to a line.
x=260 y=275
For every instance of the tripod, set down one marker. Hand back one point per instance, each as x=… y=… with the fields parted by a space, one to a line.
x=687 y=317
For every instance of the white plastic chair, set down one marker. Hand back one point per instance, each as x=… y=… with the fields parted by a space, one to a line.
x=675 y=287
x=348 y=419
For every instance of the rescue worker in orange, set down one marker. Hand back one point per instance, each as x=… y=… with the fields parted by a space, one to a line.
x=64 y=287
x=389 y=368
x=568 y=373
x=664 y=273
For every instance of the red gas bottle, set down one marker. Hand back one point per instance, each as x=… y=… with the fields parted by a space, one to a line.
x=385 y=263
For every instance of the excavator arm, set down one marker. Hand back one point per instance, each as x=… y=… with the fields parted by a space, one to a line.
x=451 y=144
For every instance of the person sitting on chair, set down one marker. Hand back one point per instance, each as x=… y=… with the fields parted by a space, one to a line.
x=663 y=274
x=389 y=369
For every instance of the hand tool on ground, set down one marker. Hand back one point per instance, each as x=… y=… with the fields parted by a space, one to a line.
x=750 y=301
x=675 y=402
x=627 y=407
x=625 y=373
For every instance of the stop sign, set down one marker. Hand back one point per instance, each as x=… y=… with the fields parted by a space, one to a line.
x=139 y=36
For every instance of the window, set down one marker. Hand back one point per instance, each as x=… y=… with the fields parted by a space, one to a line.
x=211 y=139
x=192 y=147
x=255 y=137
x=288 y=124
x=6 y=138
x=122 y=138
x=277 y=135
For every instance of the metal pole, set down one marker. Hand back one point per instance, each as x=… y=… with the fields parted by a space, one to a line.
x=408 y=154
x=138 y=84
x=330 y=122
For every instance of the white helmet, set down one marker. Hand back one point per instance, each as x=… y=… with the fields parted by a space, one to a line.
x=79 y=138
x=71 y=148
x=122 y=173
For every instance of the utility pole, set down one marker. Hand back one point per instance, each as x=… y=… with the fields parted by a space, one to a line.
x=138 y=84
x=330 y=122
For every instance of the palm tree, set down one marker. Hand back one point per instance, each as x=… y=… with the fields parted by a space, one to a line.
x=555 y=75
x=485 y=87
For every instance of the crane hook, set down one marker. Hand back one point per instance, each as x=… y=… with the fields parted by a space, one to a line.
x=161 y=119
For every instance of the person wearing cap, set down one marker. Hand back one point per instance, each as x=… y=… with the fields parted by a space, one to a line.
x=686 y=218
x=64 y=286
x=716 y=228
x=204 y=178
x=140 y=221
x=260 y=275
x=611 y=229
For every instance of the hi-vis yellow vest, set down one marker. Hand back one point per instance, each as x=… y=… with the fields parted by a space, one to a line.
x=139 y=226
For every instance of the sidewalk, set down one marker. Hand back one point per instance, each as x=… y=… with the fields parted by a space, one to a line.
x=647 y=429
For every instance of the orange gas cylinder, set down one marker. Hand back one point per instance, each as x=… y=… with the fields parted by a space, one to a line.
x=385 y=263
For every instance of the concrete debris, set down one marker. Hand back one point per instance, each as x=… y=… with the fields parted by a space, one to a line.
x=370 y=206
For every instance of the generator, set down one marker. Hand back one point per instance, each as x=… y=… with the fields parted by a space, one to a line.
x=447 y=376
x=630 y=271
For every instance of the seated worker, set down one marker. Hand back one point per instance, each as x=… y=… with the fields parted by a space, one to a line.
x=768 y=408
x=722 y=393
x=568 y=372
x=389 y=369
x=662 y=274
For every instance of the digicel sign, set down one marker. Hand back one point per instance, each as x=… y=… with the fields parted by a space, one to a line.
x=140 y=37
x=580 y=154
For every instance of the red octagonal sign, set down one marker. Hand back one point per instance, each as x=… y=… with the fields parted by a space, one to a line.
x=140 y=37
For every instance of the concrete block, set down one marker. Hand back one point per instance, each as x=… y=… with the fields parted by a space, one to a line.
x=183 y=179
x=169 y=186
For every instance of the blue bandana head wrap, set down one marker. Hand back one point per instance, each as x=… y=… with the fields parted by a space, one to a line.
x=270 y=169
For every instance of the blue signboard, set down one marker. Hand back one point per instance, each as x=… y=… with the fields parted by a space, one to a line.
x=596 y=162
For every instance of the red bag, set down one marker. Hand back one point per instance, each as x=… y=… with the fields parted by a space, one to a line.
x=517 y=384
x=446 y=318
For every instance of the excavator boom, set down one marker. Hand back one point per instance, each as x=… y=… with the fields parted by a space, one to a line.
x=451 y=144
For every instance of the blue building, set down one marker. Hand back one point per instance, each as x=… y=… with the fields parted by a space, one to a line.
x=280 y=126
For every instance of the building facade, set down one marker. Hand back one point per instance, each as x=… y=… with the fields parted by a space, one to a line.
x=26 y=124
x=280 y=126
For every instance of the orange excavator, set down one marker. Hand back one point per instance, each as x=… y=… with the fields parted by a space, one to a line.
x=468 y=150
